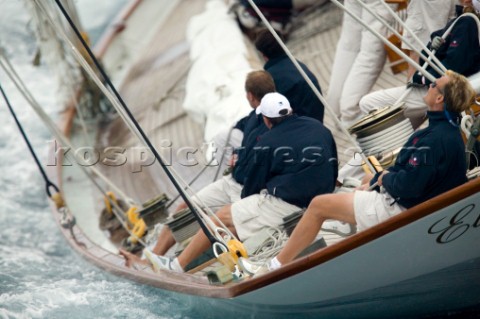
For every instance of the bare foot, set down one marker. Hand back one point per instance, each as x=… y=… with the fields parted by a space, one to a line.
x=131 y=259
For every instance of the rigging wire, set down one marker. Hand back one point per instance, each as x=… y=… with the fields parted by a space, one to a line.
x=11 y=73
x=87 y=67
x=424 y=66
x=48 y=183
x=54 y=53
x=80 y=58
x=185 y=197
x=385 y=41
x=436 y=65
x=329 y=110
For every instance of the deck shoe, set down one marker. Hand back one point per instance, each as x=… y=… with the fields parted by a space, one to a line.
x=159 y=262
x=253 y=268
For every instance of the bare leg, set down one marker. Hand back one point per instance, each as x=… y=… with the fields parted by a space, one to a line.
x=165 y=240
x=329 y=206
x=200 y=241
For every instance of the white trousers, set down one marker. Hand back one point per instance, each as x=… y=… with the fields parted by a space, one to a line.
x=357 y=64
x=425 y=17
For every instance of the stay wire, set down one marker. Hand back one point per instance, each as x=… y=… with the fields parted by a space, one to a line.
x=205 y=229
x=29 y=145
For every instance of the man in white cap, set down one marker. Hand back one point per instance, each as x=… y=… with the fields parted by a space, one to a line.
x=292 y=163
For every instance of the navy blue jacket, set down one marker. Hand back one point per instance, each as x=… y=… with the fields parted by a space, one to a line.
x=430 y=163
x=285 y=4
x=252 y=126
x=289 y=82
x=295 y=161
x=461 y=50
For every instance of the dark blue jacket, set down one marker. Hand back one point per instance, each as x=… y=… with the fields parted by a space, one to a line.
x=430 y=163
x=461 y=50
x=295 y=161
x=284 y=4
x=252 y=126
x=289 y=82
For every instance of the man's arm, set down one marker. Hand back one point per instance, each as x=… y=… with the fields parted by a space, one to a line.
x=410 y=180
x=258 y=170
x=458 y=56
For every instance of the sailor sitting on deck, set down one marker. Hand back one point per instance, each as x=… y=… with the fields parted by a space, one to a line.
x=288 y=79
x=227 y=189
x=293 y=162
x=459 y=52
x=430 y=163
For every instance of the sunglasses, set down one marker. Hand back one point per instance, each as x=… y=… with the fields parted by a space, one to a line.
x=435 y=85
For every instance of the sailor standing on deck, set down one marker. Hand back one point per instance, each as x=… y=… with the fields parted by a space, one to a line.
x=294 y=161
x=423 y=18
x=359 y=59
x=430 y=163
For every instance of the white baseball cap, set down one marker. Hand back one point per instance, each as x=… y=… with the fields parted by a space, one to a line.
x=476 y=5
x=274 y=105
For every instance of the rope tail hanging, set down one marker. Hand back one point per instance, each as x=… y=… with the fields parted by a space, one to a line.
x=56 y=197
x=144 y=137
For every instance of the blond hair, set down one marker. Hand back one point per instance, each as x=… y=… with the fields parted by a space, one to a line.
x=459 y=94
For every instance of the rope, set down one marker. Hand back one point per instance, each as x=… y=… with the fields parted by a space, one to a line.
x=385 y=41
x=10 y=71
x=48 y=183
x=271 y=246
x=129 y=119
x=123 y=113
x=437 y=66
x=66 y=71
x=424 y=66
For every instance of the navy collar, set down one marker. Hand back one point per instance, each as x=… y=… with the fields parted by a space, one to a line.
x=437 y=117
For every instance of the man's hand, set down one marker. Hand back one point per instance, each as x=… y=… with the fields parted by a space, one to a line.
x=437 y=42
x=233 y=160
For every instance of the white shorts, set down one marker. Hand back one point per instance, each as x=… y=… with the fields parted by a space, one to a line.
x=373 y=207
x=258 y=211
x=220 y=193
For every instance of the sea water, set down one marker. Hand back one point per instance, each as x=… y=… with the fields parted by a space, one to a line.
x=40 y=275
